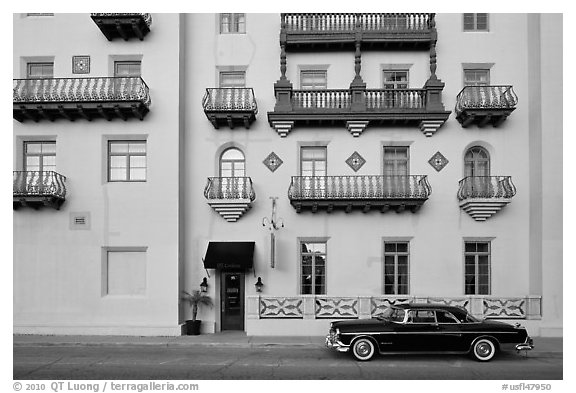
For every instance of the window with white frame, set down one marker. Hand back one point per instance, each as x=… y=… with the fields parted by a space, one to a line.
x=40 y=70
x=312 y=267
x=476 y=77
x=132 y=68
x=232 y=23
x=395 y=79
x=40 y=156
x=396 y=161
x=475 y=22
x=126 y=161
x=232 y=79
x=313 y=79
x=396 y=269
x=477 y=268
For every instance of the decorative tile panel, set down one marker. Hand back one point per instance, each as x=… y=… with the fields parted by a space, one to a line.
x=281 y=307
x=504 y=308
x=355 y=161
x=272 y=162
x=464 y=303
x=438 y=161
x=335 y=307
x=80 y=64
x=378 y=305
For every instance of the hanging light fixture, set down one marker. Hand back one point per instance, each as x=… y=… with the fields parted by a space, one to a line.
x=259 y=284
x=204 y=285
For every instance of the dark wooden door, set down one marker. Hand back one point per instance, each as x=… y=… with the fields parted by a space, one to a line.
x=232 y=301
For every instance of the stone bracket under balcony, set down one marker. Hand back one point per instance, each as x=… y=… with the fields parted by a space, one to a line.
x=483 y=196
x=485 y=105
x=364 y=193
x=230 y=197
x=38 y=189
x=230 y=107
x=80 y=98
x=125 y=26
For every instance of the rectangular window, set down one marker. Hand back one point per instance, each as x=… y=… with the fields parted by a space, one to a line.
x=125 y=273
x=396 y=272
x=40 y=156
x=395 y=79
x=313 y=167
x=232 y=79
x=40 y=70
x=477 y=267
x=127 y=68
x=476 y=77
x=313 y=80
x=396 y=160
x=475 y=22
x=232 y=23
x=312 y=268
x=126 y=161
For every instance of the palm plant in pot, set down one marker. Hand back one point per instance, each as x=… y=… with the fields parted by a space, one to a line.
x=196 y=299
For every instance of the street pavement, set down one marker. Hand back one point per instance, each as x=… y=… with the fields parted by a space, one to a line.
x=235 y=356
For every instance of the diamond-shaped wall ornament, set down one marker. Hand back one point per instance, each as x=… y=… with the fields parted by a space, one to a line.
x=438 y=161
x=355 y=161
x=80 y=64
x=272 y=161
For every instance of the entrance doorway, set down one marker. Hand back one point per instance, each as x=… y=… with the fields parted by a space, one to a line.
x=232 y=297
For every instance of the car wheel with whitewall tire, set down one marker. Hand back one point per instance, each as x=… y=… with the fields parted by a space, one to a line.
x=483 y=350
x=363 y=349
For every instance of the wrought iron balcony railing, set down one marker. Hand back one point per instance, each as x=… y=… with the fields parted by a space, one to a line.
x=230 y=106
x=486 y=187
x=72 y=98
x=123 y=25
x=485 y=104
x=38 y=188
x=371 y=191
x=229 y=188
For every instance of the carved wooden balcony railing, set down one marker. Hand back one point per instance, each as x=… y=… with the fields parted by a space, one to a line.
x=484 y=105
x=337 y=30
x=366 y=192
x=126 y=26
x=73 y=98
x=230 y=106
x=231 y=197
x=356 y=109
x=483 y=196
x=36 y=189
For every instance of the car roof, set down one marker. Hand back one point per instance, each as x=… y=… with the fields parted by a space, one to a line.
x=429 y=306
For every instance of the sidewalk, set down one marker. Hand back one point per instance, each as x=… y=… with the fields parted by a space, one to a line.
x=222 y=339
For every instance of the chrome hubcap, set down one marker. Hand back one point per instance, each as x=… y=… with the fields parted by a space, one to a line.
x=484 y=349
x=363 y=349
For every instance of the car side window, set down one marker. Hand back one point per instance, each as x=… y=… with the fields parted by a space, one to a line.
x=421 y=316
x=445 y=317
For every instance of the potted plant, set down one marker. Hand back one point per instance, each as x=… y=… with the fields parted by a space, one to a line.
x=196 y=298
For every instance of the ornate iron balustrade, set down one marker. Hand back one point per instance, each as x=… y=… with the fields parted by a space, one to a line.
x=229 y=188
x=485 y=104
x=486 y=187
x=123 y=25
x=71 y=98
x=348 y=22
x=37 y=188
x=230 y=105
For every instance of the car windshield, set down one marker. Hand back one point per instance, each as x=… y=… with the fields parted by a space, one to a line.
x=393 y=314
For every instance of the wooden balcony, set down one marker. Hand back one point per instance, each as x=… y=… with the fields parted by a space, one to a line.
x=77 y=98
x=230 y=197
x=38 y=189
x=483 y=196
x=358 y=109
x=341 y=30
x=483 y=105
x=230 y=106
x=125 y=26
x=372 y=192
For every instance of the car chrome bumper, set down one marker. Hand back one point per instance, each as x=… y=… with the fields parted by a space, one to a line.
x=333 y=342
x=526 y=345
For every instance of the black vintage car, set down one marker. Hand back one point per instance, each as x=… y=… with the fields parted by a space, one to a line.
x=426 y=328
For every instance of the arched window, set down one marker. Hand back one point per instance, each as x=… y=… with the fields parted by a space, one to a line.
x=477 y=162
x=232 y=163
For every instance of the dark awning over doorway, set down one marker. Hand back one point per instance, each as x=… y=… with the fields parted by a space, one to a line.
x=229 y=255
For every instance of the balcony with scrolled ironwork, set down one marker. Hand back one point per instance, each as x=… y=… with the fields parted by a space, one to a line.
x=370 y=192
x=483 y=105
x=483 y=196
x=230 y=197
x=358 y=109
x=37 y=189
x=304 y=31
x=123 y=25
x=230 y=106
x=80 y=98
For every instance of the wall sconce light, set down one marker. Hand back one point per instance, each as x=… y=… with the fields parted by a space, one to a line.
x=259 y=284
x=204 y=285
